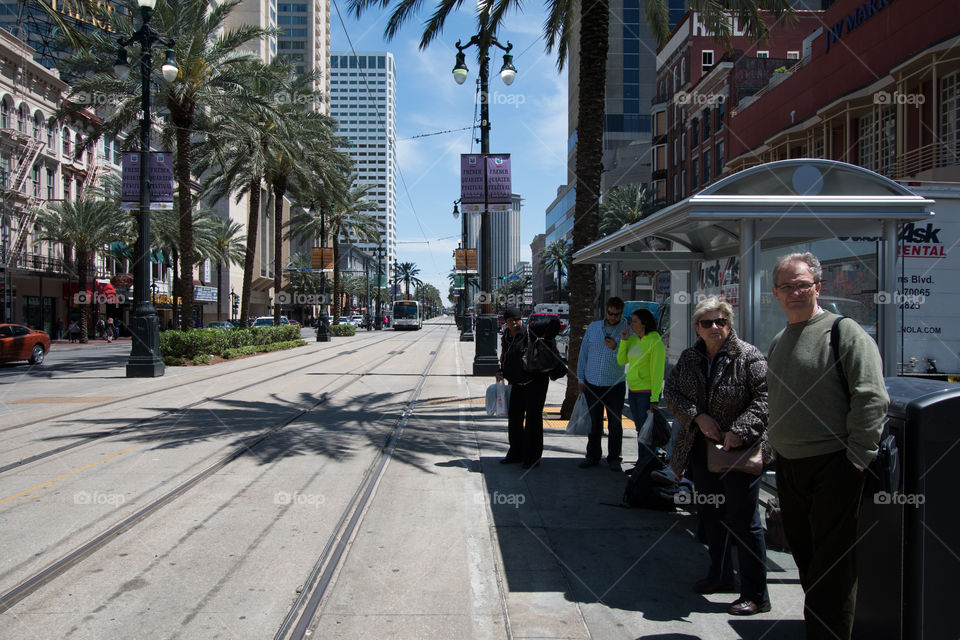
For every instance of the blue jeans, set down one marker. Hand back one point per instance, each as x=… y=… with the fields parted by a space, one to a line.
x=611 y=399
x=639 y=402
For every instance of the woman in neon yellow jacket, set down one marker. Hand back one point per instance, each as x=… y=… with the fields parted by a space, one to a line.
x=642 y=350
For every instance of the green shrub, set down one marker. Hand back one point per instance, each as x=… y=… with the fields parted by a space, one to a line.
x=190 y=344
x=172 y=361
x=342 y=330
x=201 y=359
x=263 y=348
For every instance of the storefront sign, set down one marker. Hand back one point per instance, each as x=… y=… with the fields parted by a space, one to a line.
x=204 y=294
x=853 y=20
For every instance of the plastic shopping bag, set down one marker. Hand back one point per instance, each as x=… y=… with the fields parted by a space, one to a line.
x=580 y=423
x=498 y=399
x=645 y=432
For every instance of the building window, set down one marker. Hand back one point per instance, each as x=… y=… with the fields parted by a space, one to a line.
x=818 y=149
x=683 y=146
x=694 y=133
x=4 y=115
x=52 y=136
x=707 y=114
x=763 y=54
x=719 y=158
x=66 y=141
x=876 y=144
x=50 y=184
x=706 y=166
x=66 y=188
x=37 y=127
x=706 y=60
x=950 y=120
x=36 y=182
x=694 y=173
x=683 y=183
x=22 y=119
x=793 y=55
x=720 y=111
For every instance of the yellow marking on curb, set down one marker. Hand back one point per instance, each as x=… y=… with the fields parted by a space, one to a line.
x=67 y=475
x=552 y=420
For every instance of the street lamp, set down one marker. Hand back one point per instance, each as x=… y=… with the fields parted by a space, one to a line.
x=145 y=359
x=234 y=306
x=378 y=321
x=485 y=362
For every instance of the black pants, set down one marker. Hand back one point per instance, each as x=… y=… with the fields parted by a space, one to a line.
x=611 y=399
x=525 y=420
x=820 y=500
x=727 y=504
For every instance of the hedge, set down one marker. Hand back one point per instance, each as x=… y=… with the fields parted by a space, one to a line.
x=262 y=348
x=201 y=342
x=342 y=330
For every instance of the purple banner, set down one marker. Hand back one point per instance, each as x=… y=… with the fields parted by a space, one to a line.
x=161 y=180
x=471 y=178
x=498 y=179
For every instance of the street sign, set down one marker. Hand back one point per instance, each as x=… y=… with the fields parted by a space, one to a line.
x=458 y=282
x=321 y=259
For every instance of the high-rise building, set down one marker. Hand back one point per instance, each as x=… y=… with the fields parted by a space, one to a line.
x=504 y=238
x=304 y=39
x=363 y=101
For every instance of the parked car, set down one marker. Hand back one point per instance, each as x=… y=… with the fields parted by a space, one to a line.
x=295 y=323
x=18 y=342
x=346 y=320
x=267 y=321
x=224 y=324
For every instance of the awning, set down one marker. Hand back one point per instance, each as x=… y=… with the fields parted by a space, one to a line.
x=105 y=292
x=776 y=204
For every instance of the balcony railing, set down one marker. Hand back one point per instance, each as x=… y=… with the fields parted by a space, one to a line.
x=39 y=262
x=931 y=156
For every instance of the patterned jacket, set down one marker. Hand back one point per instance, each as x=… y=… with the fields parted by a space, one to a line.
x=736 y=396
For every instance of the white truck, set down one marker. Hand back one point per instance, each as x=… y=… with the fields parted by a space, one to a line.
x=929 y=284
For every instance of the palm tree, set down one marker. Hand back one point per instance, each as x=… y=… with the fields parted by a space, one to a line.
x=228 y=248
x=346 y=219
x=625 y=205
x=407 y=274
x=556 y=257
x=88 y=226
x=165 y=236
x=214 y=74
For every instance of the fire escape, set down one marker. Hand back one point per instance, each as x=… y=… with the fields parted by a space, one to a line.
x=25 y=206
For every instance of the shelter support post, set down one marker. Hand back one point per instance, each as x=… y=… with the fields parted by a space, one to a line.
x=888 y=336
x=749 y=280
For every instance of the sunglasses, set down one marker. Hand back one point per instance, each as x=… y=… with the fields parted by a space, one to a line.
x=720 y=322
x=614 y=313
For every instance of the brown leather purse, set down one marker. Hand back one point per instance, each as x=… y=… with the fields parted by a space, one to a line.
x=744 y=459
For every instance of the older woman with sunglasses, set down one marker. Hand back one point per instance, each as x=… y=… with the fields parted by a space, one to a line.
x=718 y=393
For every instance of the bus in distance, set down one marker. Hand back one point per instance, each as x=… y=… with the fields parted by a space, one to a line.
x=406 y=315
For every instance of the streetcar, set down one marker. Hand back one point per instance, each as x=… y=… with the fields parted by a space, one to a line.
x=406 y=315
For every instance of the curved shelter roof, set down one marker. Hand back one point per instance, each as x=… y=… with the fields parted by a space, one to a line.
x=774 y=204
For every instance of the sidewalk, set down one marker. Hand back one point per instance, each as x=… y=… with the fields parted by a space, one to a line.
x=64 y=344
x=576 y=565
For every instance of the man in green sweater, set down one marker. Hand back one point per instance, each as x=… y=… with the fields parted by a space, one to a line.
x=825 y=434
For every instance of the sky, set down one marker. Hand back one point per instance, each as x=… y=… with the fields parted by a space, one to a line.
x=528 y=120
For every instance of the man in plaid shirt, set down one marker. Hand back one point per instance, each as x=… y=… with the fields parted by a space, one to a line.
x=602 y=379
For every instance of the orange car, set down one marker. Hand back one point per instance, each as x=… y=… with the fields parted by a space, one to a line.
x=18 y=342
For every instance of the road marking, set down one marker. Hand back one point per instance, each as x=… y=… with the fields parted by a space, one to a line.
x=58 y=400
x=67 y=475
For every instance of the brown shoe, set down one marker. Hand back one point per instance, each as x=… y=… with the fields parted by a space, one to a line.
x=748 y=607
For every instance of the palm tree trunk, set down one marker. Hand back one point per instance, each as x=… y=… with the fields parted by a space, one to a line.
x=175 y=302
x=253 y=222
x=82 y=271
x=594 y=32
x=219 y=289
x=183 y=120
x=278 y=190
x=337 y=305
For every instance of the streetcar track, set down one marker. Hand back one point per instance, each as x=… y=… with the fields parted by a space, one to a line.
x=28 y=586
x=233 y=372
x=166 y=413
x=331 y=558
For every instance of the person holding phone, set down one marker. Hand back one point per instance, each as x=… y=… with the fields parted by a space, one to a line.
x=642 y=350
x=601 y=379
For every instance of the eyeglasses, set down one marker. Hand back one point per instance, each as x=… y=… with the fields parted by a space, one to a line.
x=614 y=313
x=720 y=322
x=802 y=287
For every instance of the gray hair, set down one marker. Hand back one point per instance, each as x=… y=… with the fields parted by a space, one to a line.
x=713 y=303
x=811 y=261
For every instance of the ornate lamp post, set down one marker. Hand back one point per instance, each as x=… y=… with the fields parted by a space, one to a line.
x=485 y=361
x=145 y=359
x=378 y=321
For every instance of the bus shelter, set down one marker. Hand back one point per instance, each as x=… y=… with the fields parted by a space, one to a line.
x=727 y=238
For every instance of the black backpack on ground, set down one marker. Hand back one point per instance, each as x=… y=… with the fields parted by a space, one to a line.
x=643 y=492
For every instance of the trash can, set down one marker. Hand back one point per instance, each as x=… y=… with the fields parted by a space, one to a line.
x=908 y=554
